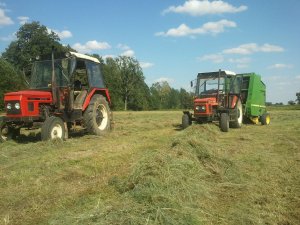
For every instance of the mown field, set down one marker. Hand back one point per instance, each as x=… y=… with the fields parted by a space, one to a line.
x=149 y=171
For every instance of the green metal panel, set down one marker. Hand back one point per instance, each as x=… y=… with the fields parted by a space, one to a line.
x=254 y=93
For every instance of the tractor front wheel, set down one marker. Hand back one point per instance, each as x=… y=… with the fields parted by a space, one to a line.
x=224 y=122
x=185 y=121
x=97 y=117
x=265 y=119
x=53 y=128
x=7 y=133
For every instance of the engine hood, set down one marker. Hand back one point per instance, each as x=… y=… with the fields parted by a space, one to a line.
x=205 y=100
x=29 y=94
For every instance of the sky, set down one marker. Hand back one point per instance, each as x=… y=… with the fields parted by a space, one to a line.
x=174 y=40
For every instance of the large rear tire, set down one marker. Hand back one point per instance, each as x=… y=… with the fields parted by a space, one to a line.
x=53 y=128
x=238 y=121
x=265 y=119
x=97 y=116
x=185 y=121
x=224 y=122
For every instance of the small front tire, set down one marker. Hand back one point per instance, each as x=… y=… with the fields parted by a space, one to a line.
x=224 y=122
x=185 y=121
x=53 y=128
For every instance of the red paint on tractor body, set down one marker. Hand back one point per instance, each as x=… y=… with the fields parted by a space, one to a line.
x=29 y=101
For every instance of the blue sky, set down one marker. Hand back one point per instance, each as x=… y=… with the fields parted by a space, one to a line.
x=174 y=40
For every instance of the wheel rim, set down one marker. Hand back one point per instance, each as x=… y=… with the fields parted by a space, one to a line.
x=56 y=132
x=101 y=117
x=268 y=119
x=240 y=115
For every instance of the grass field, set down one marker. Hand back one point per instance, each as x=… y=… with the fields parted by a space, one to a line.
x=149 y=171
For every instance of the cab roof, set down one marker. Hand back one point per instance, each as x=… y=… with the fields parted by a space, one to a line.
x=82 y=56
x=216 y=73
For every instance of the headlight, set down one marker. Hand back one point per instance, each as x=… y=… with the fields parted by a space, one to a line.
x=8 y=106
x=17 y=105
x=201 y=108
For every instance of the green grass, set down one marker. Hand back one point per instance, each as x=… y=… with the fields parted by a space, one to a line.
x=148 y=171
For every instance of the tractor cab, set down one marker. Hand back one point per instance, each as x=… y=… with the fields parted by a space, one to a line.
x=215 y=91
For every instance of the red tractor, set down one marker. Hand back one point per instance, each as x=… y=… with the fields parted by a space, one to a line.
x=217 y=98
x=65 y=92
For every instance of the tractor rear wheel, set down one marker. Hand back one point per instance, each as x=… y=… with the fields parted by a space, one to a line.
x=265 y=119
x=97 y=117
x=53 y=128
x=185 y=121
x=237 y=123
x=224 y=122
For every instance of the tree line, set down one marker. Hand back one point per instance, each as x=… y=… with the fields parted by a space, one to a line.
x=123 y=75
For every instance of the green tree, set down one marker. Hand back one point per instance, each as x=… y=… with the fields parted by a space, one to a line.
x=131 y=76
x=33 y=39
x=186 y=99
x=10 y=80
x=126 y=83
x=160 y=91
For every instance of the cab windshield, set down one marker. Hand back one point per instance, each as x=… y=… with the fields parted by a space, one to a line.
x=209 y=85
x=41 y=76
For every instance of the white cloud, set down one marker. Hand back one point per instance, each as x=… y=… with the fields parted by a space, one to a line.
x=108 y=56
x=163 y=79
x=23 y=19
x=215 y=58
x=10 y=37
x=146 y=65
x=205 y=7
x=207 y=28
x=123 y=47
x=129 y=53
x=250 y=48
x=280 y=66
x=297 y=77
x=4 y=19
x=240 y=60
x=63 y=34
x=90 y=46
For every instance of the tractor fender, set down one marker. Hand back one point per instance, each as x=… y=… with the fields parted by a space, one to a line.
x=102 y=91
x=234 y=101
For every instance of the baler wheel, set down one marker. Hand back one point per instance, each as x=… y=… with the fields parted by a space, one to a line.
x=265 y=119
x=224 y=122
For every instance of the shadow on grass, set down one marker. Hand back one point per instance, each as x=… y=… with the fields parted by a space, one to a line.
x=34 y=137
x=177 y=127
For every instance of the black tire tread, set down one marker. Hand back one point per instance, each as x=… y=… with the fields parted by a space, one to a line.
x=88 y=116
x=47 y=126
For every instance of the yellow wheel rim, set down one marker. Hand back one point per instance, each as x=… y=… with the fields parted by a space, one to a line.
x=268 y=119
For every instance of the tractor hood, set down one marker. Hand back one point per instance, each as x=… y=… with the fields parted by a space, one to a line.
x=205 y=100
x=26 y=103
x=29 y=94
